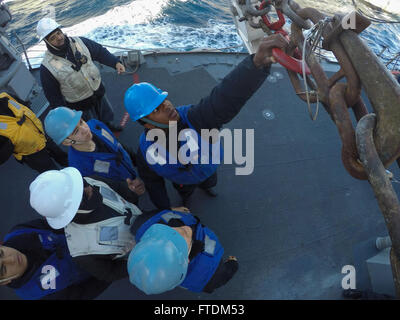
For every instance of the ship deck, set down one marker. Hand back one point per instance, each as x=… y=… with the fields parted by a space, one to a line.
x=293 y=223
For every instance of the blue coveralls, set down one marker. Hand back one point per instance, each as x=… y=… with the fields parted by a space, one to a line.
x=115 y=164
x=221 y=106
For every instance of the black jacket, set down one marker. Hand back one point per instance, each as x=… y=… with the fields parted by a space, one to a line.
x=221 y=106
x=29 y=244
x=51 y=86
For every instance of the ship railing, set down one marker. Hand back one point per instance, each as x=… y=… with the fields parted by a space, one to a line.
x=35 y=56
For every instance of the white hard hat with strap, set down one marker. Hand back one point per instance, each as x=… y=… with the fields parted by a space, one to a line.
x=46 y=26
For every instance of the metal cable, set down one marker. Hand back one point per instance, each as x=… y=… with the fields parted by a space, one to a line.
x=315 y=35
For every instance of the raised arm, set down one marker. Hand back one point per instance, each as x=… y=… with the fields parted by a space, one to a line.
x=228 y=97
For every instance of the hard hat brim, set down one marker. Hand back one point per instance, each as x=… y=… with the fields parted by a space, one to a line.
x=160 y=99
x=76 y=198
x=44 y=36
x=74 y=123
x=144 y=267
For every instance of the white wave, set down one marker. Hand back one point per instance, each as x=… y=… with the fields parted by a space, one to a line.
x=137 y=26
x=158 y=35
x=136 y=12
x=165 y=35
x=134 y=26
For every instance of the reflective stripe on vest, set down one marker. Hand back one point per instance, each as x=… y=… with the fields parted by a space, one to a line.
x=203 y=266
x=111 y=236
x=192 y=173
x=74 y=85
x=113 y=200
x=24 y=130
x=66 y=272
x=115 y=164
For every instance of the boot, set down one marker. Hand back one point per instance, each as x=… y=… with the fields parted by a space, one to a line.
x=114 y=128
x=211 y=192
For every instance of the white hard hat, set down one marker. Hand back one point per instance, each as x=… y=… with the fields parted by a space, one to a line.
x=46 y=26
x=56 y=195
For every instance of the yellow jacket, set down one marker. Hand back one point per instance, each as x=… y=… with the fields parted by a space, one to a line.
x=24 y=130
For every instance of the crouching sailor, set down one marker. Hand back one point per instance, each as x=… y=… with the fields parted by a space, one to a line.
x=173 y=248
x=95 y=216
x=93 y=148
x=36 y=263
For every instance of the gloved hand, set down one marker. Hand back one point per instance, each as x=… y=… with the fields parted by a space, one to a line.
x=263 y=56
x=120 y=67
x=136 y=185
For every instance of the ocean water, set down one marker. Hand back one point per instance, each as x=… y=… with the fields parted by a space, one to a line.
x=176 y=24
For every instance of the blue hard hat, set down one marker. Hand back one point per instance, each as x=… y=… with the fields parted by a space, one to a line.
x=61 y=122
x=142 y=98
x=159 y=261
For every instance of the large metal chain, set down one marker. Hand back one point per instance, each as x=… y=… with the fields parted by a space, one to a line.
x=375 y=143
x=387 y=199
x=335 y=96
x=354 y=57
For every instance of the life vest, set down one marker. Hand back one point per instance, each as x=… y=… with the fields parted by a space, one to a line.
x=24 y=130
x=111 y=236
x=192 y=173
x=67 y=273
x=203 y=266
x=74 y=85
x=115 y=164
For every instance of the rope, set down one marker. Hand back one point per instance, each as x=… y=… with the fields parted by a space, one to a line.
x=122 y=58
x=303 y=62
x=316 y=31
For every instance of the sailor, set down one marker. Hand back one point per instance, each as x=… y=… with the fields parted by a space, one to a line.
x=93 y=148
x=22 y=135
x=69 y=75
x=96 y=215
x=36 y=263
x=150 y=107
x=174 y=249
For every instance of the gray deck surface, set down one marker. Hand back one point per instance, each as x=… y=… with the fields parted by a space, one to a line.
x=293 y=224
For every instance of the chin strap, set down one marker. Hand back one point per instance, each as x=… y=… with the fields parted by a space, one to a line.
x=72 y=141
x=9 y=278
x=55 y=48
x=157 y=124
